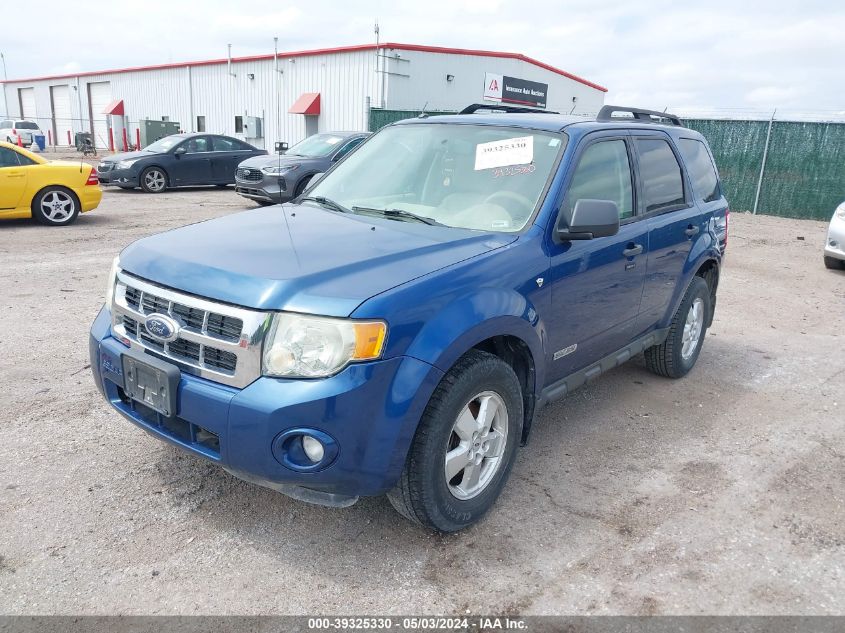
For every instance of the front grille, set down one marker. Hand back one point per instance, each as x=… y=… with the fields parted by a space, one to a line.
x=214 y=340
x=249 y=175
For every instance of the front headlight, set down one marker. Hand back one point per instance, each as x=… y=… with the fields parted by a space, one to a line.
x=126 y=164
x=840 y=211
x=115 y=268
x=276 y=170
x=301 y=346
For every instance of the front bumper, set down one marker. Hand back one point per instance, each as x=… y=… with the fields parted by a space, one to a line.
x=371 y=410
x=834 y=246
x=268 y=189
x=119 y=178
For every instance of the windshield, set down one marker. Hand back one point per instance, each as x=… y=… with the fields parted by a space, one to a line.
x=164 y=144
x=316 y=146
x=470 y=176
x=26 y=125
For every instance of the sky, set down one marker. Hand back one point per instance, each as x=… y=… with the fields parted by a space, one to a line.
x=731 y=58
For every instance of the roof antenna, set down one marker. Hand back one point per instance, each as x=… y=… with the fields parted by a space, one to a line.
x=423 y=114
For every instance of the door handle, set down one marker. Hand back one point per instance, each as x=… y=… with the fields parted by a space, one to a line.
x=15 y=174
x=692 y=230
x=632 y=250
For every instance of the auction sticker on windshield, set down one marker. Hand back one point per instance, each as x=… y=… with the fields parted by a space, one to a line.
x=511 y=151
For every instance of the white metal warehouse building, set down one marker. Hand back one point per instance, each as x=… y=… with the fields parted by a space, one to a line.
x=294 y=94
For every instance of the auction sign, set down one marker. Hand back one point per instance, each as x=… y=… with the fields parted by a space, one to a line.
x=513 y=90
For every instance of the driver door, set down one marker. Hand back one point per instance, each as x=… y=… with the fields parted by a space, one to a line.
x=13 y=178
x=596 y=285
x=194 y=166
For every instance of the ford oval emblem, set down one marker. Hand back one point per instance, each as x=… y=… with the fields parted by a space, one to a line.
x=161 y=327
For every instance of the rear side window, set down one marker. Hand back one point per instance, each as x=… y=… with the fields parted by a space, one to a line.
x=8 y=158
x=702 y=171
x=603 y=173
x=6 y=125
x=663 y=185
x=223 y=144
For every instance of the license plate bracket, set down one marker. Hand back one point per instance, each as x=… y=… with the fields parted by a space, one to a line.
x=151 y=382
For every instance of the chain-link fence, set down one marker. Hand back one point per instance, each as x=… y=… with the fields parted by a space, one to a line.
x=800 y=173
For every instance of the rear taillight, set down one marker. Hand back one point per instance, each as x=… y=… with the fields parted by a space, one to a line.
x=92 y=178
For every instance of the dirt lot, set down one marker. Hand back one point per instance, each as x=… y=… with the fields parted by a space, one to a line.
x=720 y=493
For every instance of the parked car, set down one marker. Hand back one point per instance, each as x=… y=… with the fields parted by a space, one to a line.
x=52 y=192
x=396 y=330
x=273 y=179
x=834 y=248
x=12 y=129
x=176 y=161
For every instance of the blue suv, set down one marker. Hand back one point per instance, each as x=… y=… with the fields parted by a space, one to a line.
x=396 y=329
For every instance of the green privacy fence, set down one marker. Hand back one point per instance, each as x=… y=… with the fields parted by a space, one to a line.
x=379 y=118
x=804 y=174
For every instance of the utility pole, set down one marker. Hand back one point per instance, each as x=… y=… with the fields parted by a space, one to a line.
x=5 y=78
x=763 y=162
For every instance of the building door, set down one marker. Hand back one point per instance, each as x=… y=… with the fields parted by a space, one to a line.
x=62 y=117
x=27 y=99
x=99 y=97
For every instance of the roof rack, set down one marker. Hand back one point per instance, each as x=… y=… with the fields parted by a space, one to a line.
x=475 y=107
x=643 y=116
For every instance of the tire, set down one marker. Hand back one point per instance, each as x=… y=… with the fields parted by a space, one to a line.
x=449 y=426
x=833 y=264
x=153 y=180
x=55 y=206
x=676 y=356
x=300 y=186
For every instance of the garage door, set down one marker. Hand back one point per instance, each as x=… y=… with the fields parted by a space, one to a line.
x=62 y=121
x=99 y=97
x=27 y=97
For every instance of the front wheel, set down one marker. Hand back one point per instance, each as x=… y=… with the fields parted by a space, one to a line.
x=675 y=356
x=153 y=180
x=464 y=447
x=55 y=206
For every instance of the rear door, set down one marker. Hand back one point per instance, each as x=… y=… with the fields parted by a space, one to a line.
x=597 y=284
x=674 y=223
x=228 y=154
x=13 y=178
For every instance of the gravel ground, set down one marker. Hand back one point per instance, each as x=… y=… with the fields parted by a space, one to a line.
x=721 y=493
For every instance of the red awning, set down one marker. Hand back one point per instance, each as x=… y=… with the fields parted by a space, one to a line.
x=115 y=107
x=308 y=103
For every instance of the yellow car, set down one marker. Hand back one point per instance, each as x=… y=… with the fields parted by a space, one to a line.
x=52 y=192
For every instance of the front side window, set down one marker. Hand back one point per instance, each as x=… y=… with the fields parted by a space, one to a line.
x=702 y=171
x=198 y=145
x=348 y=148
x=6 y=125
x=479 y=177
x=663 y=184
x=8 y=158
x=603 y=173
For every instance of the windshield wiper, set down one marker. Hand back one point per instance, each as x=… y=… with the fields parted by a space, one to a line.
x=326 y=202
x=398 y=213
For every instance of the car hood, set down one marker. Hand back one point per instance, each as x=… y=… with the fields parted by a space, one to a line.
x=257 y=162
x=114 y=158
x=300 y=258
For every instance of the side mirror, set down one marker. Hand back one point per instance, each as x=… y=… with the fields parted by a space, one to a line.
x=281 y=148
x=590 y=219
x=180 y=150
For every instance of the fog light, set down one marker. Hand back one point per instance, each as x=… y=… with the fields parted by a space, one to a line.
x=313 y=448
